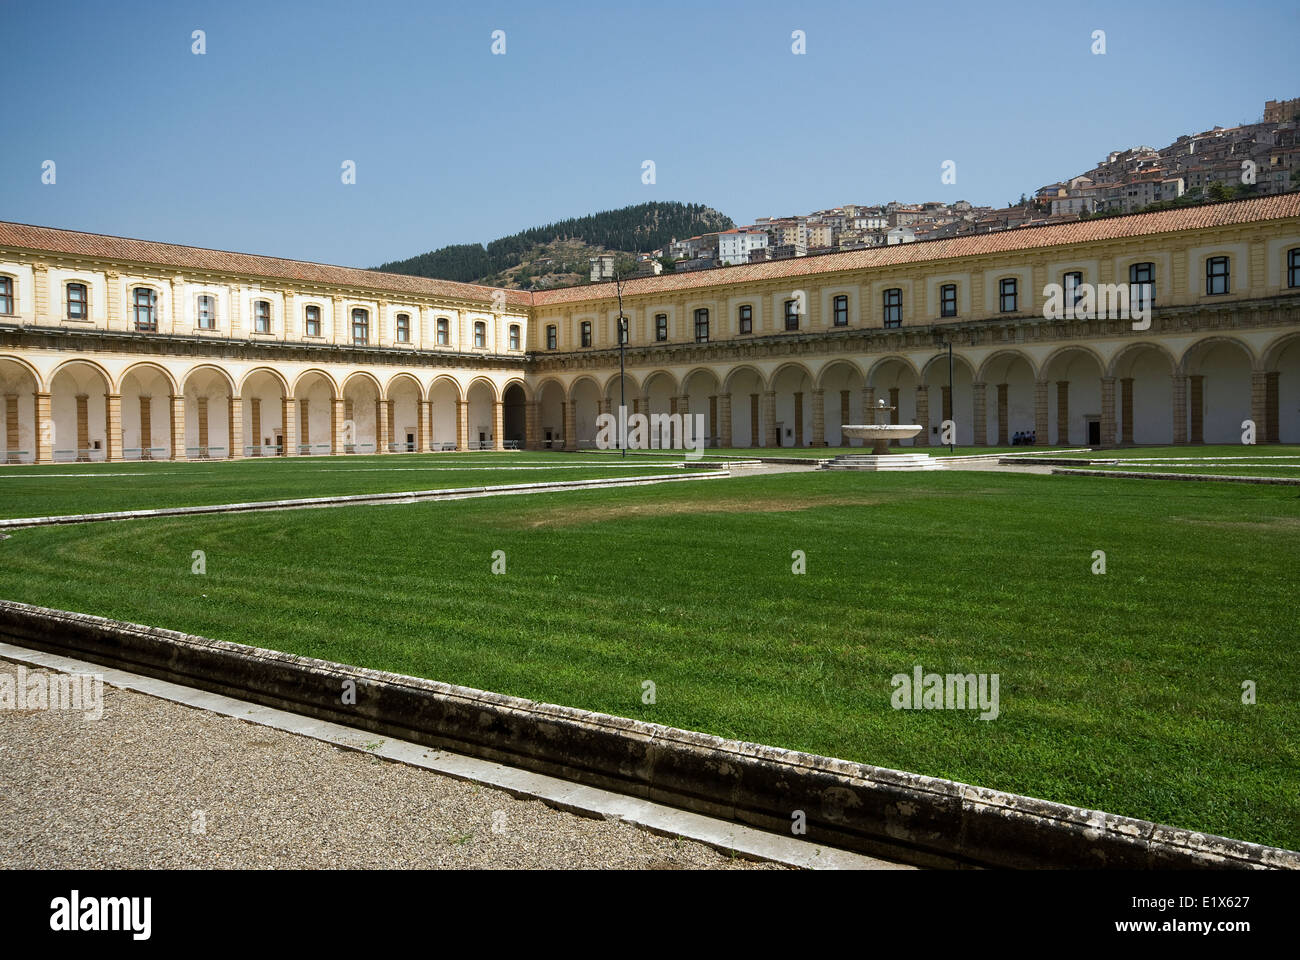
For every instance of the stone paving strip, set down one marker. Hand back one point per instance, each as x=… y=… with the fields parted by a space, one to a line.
x=366 y=499
x=1156 y=475
x=179 y=778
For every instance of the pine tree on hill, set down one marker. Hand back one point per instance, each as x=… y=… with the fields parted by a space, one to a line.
x=636 y=229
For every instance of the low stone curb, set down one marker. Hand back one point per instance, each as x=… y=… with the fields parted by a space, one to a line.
x=885 y=813
x=364 y=499
x=1133 y=475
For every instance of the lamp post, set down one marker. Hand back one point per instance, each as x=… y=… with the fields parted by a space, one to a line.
x=622 y=362
x=942 y=340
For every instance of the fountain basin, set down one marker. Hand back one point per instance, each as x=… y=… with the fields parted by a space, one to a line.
x=881 y=433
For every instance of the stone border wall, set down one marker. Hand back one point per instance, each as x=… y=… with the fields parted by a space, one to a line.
x=885 y=813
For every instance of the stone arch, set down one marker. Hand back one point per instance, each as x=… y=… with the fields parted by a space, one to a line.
x=841 y=382
x=314 y=396
x=262 y=393
x=515 y=403
x=445 y=396
x=19 y=430
x=39 y=382
x=137 y=366
x=1071 y=377
x=744 y=389
x=1219 y=371
x=1144 y=377
x=81 y=413
x=1006 y=356
x=1097 y=358
x=791 y=384
x=522 y=384
x=446 y=379
x=483 y=382
x=701 y=387
x=584 y=398
x=1008 y=379
x=322 y=376
x=403 y=402
x=145 y=390
x=356 y=376
x=883 y=363
x=207 y=390
x=552 y=399
x=1122 y=359
x=743 y=369
x=957 y=404
x=481 y=398
x=1281 y=362
x=1196 y=351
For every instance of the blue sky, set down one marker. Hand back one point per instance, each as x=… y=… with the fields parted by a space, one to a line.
x=241 y=148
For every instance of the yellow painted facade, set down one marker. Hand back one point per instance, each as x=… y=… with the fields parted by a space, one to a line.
x=198 y=354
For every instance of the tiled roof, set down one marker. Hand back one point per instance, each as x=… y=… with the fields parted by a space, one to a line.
x=175 y=256
x=1026 y=238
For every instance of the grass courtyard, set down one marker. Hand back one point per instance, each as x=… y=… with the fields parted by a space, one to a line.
x=1120 y=692
x=74 y=488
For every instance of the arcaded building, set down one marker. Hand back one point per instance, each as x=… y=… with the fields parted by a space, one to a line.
x=112 y=348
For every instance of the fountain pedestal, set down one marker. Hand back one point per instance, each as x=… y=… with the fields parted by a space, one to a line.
x=881 y=457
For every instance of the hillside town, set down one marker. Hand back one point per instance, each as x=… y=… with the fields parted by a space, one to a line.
x=1256 y=158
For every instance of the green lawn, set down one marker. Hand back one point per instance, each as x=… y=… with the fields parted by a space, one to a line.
x=73 y=488
x=1119 y=692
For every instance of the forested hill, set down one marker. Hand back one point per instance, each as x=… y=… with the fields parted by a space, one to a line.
x=637 y=229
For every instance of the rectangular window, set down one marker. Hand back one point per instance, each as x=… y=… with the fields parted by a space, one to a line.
x=948 y=300
x=1216 y=276
x=1293 y=267
x=360 y=326
x=1073 y=283
x=586 y=333
x=514 y=336
x=206 y=314
x=1142 y=285
x=1007 y=295
x=77 y=302
x=6 y=296
x=701 y=326
x=480 y=334
x=312 y=315
x=262 y=316
x=403 y=328
x=841 y=311
x=661 y=326
x=894 y=307
x=552 y=340
x=747 y=319
x=792 y=314
x=145 y=301
x=444 y=332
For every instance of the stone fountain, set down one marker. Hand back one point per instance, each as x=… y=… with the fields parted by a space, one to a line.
x=881 y=456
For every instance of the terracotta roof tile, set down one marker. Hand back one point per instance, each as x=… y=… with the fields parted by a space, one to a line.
x=1025 y=238
x=175 y=256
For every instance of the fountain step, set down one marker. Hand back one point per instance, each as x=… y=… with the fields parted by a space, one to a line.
x=885 y=461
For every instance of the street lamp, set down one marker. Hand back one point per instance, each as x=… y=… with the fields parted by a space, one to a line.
x=941 y=339
x=622 y=361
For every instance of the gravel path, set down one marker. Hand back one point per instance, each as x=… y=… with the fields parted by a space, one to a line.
x=154 y=784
